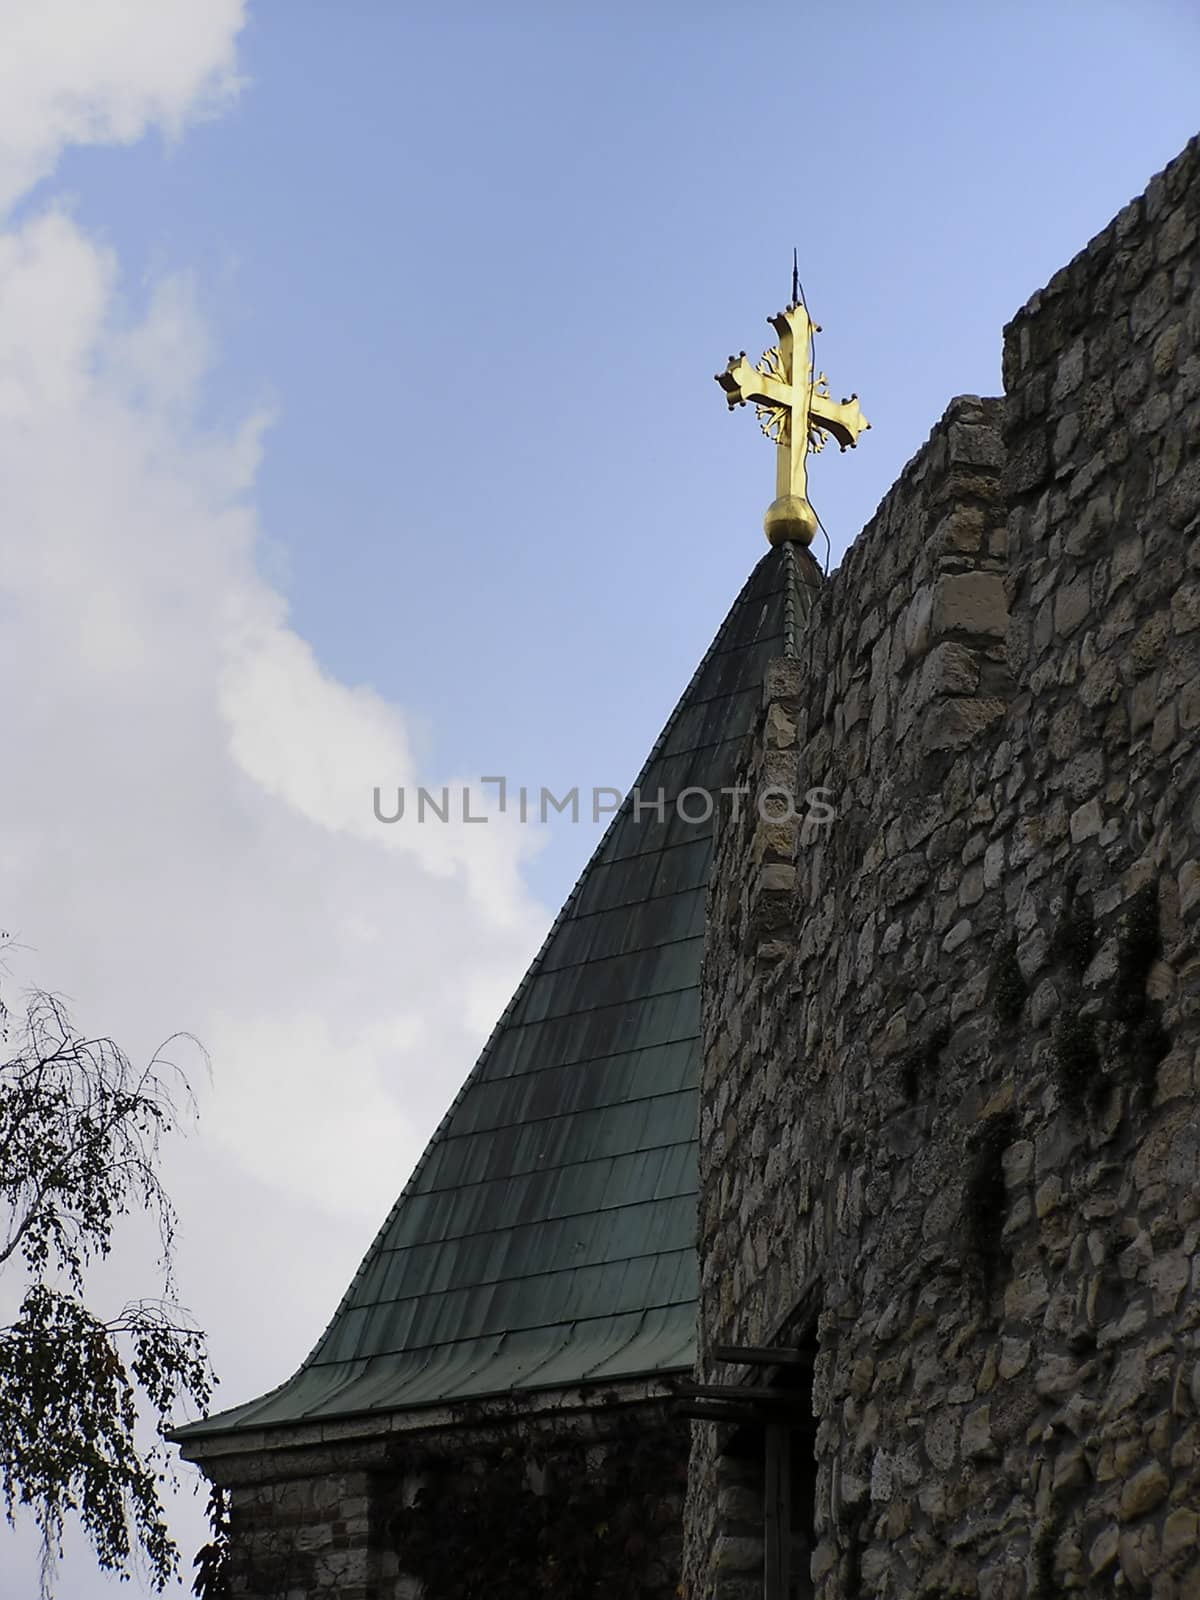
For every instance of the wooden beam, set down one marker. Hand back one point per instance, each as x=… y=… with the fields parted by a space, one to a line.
x=763 y=1355
x=716 y=1411
x=755 y=1393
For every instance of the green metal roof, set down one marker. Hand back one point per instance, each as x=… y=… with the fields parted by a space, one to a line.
x=548 y=1234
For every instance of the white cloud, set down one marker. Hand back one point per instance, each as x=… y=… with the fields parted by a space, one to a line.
x=188 y=837
x=75 y=72
x=192 y=790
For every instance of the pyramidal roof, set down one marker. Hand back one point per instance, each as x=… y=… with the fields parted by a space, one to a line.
x=548 y=1234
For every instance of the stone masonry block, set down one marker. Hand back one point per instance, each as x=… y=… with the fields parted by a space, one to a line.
x=960 y=531
x=952 y=724
x=971 y=603
x=949 y=668
x=784 y=679
x=977 y=446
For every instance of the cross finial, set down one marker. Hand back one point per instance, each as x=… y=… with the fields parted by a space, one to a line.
x=796 y=412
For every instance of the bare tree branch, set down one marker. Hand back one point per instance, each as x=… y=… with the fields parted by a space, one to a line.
x=80 y=1131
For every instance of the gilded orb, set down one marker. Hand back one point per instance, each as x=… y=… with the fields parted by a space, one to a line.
x=790 y=518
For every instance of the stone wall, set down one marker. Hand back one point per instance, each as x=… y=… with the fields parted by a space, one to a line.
x=578 y=1493
x=949 y=1119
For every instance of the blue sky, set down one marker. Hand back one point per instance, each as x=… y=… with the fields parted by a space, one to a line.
x=358 y=426
x=484 y=262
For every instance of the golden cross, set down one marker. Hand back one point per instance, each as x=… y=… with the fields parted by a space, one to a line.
x=796 y=412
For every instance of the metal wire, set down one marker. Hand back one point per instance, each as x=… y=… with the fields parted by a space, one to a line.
x=812 y=362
